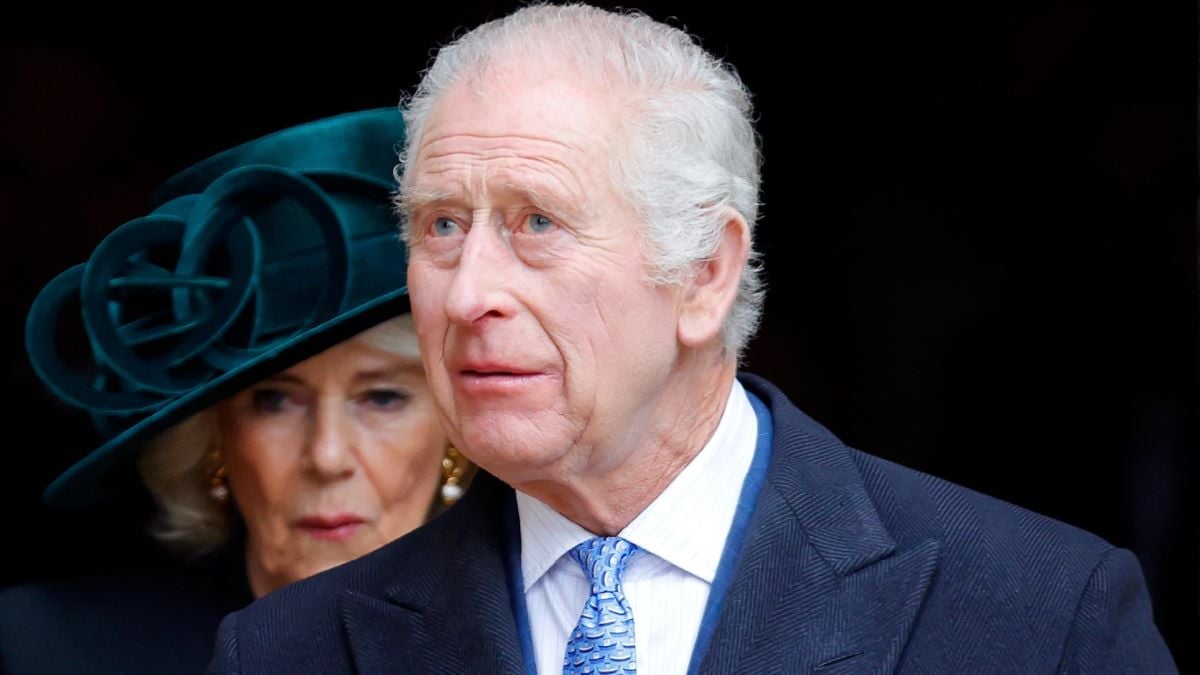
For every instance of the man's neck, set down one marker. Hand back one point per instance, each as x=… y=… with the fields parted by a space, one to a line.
x=680 y=423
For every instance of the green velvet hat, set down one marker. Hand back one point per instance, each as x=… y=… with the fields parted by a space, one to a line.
x=250 y=262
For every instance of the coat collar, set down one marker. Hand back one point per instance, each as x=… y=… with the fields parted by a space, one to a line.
x=447 y=608
x=821 y=585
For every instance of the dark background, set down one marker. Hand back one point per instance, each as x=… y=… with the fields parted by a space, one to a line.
x=979 y=230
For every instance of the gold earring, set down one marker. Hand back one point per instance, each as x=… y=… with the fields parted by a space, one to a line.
x=454 y=465
x=218 y=478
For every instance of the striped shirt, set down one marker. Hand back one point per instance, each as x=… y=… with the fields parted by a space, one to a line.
x=682 y=535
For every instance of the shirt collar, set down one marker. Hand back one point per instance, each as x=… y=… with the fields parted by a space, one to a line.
x=686 y=525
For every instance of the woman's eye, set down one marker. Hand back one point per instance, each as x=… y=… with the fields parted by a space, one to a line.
x=385 y=399
x=444 y=227
x=539 y=224
x=269 y=400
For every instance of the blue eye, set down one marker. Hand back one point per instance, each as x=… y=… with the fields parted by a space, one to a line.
x=444 y=227
x=539 y=224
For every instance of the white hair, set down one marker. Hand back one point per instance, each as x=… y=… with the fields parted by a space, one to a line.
x=177 y=469
x=690 y=150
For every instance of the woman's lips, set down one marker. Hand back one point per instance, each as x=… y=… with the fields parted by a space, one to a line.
x=331 y=527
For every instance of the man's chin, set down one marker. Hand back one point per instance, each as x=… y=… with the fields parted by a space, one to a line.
x=513 y=457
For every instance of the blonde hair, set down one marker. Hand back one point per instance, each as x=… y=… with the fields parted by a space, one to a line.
x=177 y=468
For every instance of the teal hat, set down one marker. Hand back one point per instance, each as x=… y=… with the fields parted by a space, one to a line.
x=250 y=262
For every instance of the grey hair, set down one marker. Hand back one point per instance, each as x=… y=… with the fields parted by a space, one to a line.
x=176 y=466
x=690 y=150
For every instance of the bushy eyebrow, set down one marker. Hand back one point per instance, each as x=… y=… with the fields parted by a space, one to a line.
x=543 y=200
x=419 y=198
x=422 y=198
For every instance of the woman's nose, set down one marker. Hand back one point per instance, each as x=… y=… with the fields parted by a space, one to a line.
x=331 y=445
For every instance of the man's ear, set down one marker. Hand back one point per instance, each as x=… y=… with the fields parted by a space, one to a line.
x=709 y=293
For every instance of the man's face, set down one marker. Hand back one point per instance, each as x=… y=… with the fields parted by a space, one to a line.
x=544 y=345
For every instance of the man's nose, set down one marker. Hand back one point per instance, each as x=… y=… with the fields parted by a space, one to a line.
x=485 y=271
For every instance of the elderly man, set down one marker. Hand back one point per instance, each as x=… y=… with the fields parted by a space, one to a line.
x=580 y=191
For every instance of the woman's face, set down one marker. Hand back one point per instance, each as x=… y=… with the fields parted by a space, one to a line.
x=330 y=459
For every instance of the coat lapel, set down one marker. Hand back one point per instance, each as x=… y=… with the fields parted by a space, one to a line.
x=820 y=586
x=452 y=614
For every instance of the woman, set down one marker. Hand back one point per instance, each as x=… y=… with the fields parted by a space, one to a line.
x=249 y=351
x=323 y=462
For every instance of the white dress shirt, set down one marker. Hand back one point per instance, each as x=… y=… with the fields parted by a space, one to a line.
x=682 y=535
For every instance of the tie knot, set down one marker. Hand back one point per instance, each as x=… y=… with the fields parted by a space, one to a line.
x=603 y=560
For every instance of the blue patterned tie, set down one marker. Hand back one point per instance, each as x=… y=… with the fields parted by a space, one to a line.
x=602 y=642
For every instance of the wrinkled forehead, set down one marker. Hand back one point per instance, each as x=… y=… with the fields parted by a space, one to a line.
x=523 y=101
x=543 y=129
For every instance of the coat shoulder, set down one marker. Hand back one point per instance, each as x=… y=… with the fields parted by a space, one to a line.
x=914 y=504
x=1013 y=590
x=302 y=626
x=130 y=623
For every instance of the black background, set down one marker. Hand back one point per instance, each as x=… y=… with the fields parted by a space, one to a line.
x=979 y=230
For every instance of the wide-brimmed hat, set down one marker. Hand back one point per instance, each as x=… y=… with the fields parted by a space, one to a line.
x=250 y=262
